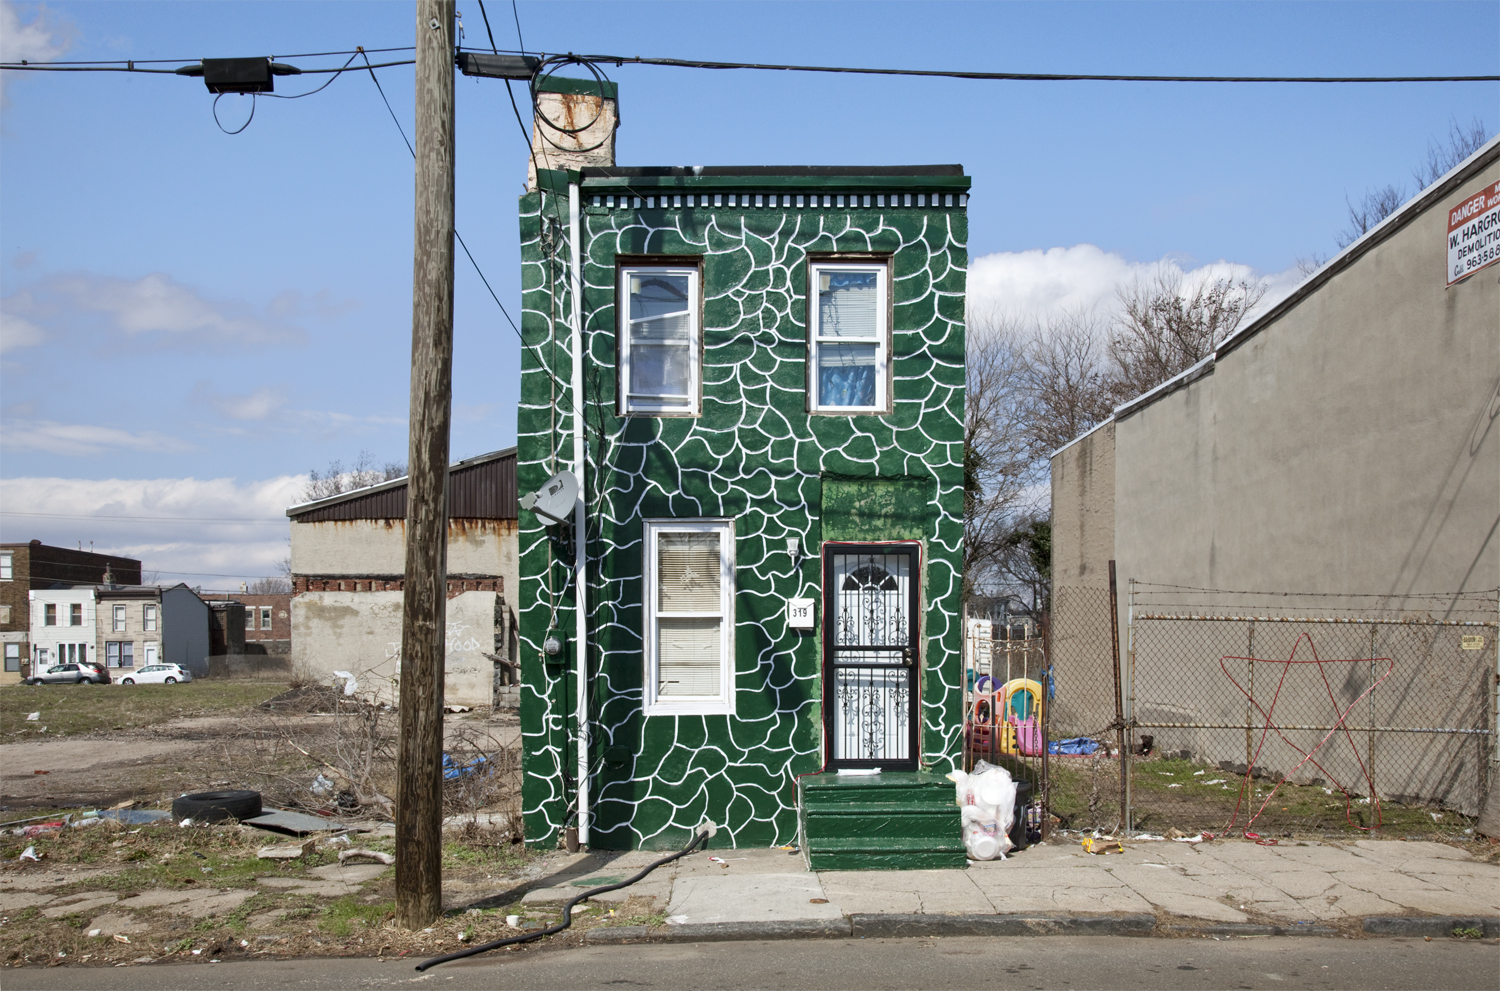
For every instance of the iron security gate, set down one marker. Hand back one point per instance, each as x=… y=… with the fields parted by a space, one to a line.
x=870 y=655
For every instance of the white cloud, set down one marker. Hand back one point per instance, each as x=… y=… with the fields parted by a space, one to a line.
x=18 y=332
x=1035 y=284
x=155 y=310
x=188 y=529
x=262 y=404
x=82 y=439
x=41 y=39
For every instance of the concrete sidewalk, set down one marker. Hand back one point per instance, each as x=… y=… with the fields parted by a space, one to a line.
x=1230 y=886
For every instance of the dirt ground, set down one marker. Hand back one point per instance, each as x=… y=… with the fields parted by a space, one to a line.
x=112 y=894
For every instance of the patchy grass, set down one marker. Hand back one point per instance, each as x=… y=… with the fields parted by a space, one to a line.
x=1172 y=793
x=340 y=917
x=74 y=709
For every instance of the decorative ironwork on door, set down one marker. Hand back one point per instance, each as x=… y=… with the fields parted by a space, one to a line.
x=870 y=636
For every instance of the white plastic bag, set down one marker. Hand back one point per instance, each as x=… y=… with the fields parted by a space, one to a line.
x=987 y=800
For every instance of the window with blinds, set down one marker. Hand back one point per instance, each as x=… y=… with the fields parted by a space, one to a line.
x=849 y=337
x=689 y=616
x=658 y=340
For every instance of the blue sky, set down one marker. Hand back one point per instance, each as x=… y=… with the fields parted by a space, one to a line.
x=194 y=320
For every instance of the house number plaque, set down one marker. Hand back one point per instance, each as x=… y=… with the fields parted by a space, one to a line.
x=799 y=614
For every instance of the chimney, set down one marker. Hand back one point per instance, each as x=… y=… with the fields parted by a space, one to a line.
x=564 y=105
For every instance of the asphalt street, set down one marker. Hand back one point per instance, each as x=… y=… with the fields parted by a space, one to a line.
x=963 y=963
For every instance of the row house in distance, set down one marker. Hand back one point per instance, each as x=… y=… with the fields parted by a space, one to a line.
x=144 y=624
x=27 y=567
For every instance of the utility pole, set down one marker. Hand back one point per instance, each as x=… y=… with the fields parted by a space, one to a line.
x=419 y=837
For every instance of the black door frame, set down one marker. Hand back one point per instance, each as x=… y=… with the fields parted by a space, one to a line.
x=912 y=652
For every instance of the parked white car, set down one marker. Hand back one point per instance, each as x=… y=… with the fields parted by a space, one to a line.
x=157 y=674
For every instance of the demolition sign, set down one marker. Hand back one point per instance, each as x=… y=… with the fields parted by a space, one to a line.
x=1474 y=233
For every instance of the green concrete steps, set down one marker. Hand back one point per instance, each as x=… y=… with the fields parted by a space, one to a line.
x=889 y=821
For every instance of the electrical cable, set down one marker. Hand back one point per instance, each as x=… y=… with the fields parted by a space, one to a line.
x=140 y=519
x=298 y=96
x=189 y=61
x=53 y=67
x=247 y=119
x=567 y=912
x=509 y=92
x=621 y=60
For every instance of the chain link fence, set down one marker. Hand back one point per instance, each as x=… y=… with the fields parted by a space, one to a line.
x=1296 y=722
x=1084 y=785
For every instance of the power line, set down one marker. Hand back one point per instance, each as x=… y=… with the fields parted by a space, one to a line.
x=143 y=519
x=621 y=60
x=130 y=67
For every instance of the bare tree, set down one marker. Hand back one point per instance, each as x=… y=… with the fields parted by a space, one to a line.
x=1375 y=207
x=1463 y=141
x=1164 y=327
x=336 y=479
x=1069 y=382
x=270 y=586
x=998 y=463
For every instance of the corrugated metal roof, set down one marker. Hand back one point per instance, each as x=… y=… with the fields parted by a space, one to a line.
x=482 y=488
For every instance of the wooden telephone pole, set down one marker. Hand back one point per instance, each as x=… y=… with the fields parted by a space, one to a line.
x=419 y=837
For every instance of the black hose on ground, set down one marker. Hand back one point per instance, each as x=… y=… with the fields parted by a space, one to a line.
x=567 y=920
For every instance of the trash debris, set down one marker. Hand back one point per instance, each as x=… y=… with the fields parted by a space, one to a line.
x=29 y=854
x=41 y=772
x=94 y=932
x=676 y=920
x=722 y=862
x=186 y=822
x=1102 y=846
x=121 y=938
x=290 y=851
x=321 y=786
x=383 y=858
x=817 y=901
x=296 y=823
x=42 y=827
x=337 y=841
x=453 y=769
x=514 y=921
x=458 y=708
x=32 y=717
x=350 y=685
x=1201 y=837
x=1078 y=746
x=987 y=802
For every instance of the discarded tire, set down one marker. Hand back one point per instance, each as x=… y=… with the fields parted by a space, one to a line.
x=213 y=806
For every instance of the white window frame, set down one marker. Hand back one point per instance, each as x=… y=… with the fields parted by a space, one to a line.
x=723 y=703
x=7 y=566
x=645 y=404
x=882 y=339
x=149 y=612
x=265 y=617
x=250 y=614
x=117 y=618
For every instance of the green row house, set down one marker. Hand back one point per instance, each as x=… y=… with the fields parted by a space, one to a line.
x=769 y=467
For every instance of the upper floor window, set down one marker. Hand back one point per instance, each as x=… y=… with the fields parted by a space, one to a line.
x=659 y=339
x=249 y=618
x=117 y=619
x=265 y=617
x=49 y=614
x=689 y=616
x=148 y=617
x=75 y=614
x=849 y=336
x=7 y=567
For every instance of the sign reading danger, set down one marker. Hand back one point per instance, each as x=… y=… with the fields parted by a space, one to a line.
x=1474 y=233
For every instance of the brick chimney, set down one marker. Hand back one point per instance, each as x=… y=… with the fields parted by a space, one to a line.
x=562 y=105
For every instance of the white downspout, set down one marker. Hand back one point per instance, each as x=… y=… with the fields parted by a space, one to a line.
x=580 y=552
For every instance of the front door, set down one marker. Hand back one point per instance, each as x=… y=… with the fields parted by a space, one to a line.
x=870 y=655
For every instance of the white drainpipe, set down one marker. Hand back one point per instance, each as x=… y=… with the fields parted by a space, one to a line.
x=580 y=553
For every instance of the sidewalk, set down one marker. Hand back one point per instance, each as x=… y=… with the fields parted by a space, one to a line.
x=1231 y=887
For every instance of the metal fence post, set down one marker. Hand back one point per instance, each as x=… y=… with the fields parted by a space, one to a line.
x=1128 y=813
x=1250 y=697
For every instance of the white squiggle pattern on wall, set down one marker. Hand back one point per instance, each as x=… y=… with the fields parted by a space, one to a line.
x=755 y=455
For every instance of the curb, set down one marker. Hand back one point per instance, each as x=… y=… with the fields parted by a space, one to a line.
x=1002 y=925
x=1429 y=925
x=1250 y=929
x=1137 y=924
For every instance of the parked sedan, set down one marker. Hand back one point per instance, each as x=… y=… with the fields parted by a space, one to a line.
x=157 y=674
x=70 y=674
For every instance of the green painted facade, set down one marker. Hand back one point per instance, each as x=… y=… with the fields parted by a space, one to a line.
x=754 y=454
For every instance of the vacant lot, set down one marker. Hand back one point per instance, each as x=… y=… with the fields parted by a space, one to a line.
x=74 y=709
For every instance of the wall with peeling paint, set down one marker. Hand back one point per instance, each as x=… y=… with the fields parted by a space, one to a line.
x=378 y=547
